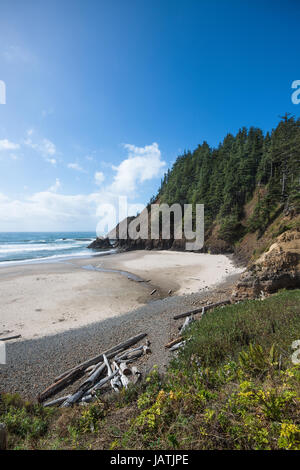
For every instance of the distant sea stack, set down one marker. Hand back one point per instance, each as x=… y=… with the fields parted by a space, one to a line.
x=100 y=244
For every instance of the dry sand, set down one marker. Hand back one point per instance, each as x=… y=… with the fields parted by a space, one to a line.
x=48 y=298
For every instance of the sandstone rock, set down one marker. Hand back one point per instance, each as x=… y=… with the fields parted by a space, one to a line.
x=278 y=268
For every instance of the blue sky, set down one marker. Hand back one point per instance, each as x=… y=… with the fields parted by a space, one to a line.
x=101 y=96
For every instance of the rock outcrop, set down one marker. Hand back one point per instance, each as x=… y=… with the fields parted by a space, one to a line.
x=278 y=268
x=160 y=244
x=127 y=243
x=100 y=244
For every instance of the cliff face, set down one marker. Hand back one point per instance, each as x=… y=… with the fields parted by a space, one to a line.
x=160 y=244
x=127 y=243
x=278 y=268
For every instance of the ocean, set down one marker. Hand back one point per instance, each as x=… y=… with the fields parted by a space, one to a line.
x=17 y=247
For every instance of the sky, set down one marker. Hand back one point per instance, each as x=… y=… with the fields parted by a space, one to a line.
x=103 y=95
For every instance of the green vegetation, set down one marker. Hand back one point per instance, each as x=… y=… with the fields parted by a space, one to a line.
x=225 y=178
x=233 y=386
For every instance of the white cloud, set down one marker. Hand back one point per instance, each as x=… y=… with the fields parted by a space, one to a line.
x=3 y=198
x=47 y=147
x=99 y=177
x=142 y=164
x=44 y=146
x=7 y=145
x=55 y=186
x=51 y=160
x=75 y=166
x=50 y=210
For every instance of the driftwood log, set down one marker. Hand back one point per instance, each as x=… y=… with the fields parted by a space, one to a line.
x=94 y=360
x=115 y=381
x=136 y=375
x=187 y=322
x=177 y=346
x=102 y=382
x=124 y=379
x=125 y=369
x=120 y=368
x=10 y=337
x=201 y=309
x=135 y=352
x=174 y=341
x=75 y=373
x=58 y=401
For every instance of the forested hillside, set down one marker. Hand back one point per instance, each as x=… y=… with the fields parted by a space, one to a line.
x=224 y=179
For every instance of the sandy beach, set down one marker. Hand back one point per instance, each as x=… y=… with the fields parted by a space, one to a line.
x=69 y=311
x=48 y=298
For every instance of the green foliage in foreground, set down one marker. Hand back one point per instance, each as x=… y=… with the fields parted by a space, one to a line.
x=222 y=334
x=234 y=386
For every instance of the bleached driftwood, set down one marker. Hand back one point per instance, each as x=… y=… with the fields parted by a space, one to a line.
x=187 y=322
x=94 y=360
x=115 y=381
x=125 y=369
x=98 y=370
x=73 y=374
x=58 y=401
x=124 y=354
x=102 y=382
x=89 y=370
x=136 y=375
x=73 y=398
x=130 y=357
x=201 y=309
x=124 y=379
x=87 y=398
x=177 y=346
x=95 y=375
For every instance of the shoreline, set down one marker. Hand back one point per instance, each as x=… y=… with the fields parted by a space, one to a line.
x=42 y=299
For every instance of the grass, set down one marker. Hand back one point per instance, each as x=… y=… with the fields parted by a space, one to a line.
x=234 y=386
x=222 y=334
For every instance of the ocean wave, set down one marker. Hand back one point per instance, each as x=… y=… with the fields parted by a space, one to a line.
x=19 y=248
x=74 y=239
x=66 y=256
